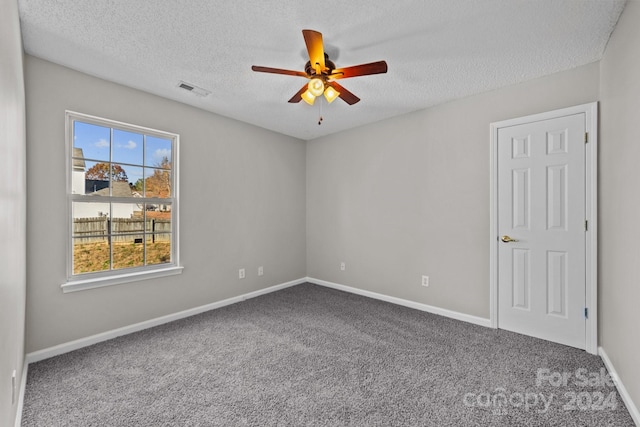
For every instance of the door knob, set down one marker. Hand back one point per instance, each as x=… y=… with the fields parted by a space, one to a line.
x=508 y=239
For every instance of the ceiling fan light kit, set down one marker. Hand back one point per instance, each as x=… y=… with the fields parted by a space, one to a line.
x=322 y=73
x=317 y=87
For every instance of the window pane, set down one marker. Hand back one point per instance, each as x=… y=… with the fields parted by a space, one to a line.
x=127 y=147
x=90 y=240
x=90 y=218
x=136 y=180
x=91 y=141
x=157 y=182
x=121 y=184
x=158 y=248
x=158 y=152
x=129 y=215
x=79 y=167
x=96 y=179
x=158 y=218
x=90 y=255
x=128 y=251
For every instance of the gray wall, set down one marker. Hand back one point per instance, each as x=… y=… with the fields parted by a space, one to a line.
x=410 y=195
x=242 y=204
x=619 y=204
x=13 y=233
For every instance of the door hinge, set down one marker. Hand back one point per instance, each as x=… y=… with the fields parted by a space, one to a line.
x=586 y=313
x=586 y=225
x=586 y=137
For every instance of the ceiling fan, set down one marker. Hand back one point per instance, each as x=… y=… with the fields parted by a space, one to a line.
x=322 y=73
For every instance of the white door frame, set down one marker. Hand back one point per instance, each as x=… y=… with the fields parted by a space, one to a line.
x=591 y=211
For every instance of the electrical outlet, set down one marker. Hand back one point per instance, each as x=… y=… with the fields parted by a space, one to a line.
x=260 y=271
x=241 y=273
x=343 y=266
x=425 y=281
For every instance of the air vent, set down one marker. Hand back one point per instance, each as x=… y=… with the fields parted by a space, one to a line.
x=194 y=89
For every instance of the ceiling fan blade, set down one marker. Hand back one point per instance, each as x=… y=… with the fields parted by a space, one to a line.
x=313 y=40
x=298 y=96
x=346 y=96
x=278 y=71
x=378 y=67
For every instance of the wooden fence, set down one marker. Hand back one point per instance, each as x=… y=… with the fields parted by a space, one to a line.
x=122 y=230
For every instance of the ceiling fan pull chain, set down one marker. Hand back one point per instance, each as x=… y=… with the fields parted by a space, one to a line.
x=320 y=109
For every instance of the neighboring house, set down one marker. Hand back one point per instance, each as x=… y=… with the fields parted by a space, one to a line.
x=95 y=187
x=119 y=210
x=119 y=189
x=79 y=166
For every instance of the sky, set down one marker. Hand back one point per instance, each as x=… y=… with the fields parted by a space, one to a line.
x=127 y=148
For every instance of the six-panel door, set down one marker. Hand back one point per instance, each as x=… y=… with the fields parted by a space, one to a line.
x=541 y=207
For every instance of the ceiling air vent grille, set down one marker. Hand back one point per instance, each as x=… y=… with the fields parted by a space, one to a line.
x=194 y=89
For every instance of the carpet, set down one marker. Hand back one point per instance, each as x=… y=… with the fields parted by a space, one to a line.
x=313 y=356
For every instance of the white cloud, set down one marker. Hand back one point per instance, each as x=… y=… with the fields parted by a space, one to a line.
x=161 y=153
x=129 y=145
x=102 y=143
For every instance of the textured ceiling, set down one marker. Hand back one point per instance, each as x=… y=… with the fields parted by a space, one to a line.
x=436 y=50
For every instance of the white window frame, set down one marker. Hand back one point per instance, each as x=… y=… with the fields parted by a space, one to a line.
x=77 y=282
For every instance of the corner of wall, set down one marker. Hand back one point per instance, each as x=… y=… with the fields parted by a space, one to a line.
x=12 y=221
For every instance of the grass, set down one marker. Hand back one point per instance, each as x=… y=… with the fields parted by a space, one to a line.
x=92 y=257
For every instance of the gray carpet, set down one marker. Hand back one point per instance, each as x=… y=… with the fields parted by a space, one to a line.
x=309 y=355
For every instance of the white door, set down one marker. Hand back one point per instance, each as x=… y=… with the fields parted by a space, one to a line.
x=542 y=229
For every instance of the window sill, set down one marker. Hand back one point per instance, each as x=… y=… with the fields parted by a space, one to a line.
x=81 y=285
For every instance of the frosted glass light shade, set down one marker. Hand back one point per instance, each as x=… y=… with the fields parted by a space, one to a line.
x=316 y=87
x=331 y=94
x=308 y=97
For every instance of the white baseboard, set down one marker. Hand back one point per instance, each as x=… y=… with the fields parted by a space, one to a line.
x=46 y=353
x=624 y=394
x=407 y=303
x=23 y=386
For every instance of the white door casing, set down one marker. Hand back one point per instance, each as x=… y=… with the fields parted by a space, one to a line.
x=543 y=196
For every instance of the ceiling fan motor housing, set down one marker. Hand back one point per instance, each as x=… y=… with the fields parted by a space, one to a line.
x=329 y=67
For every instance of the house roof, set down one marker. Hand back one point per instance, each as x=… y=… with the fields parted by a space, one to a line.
x=119 y=189
x=436 y=50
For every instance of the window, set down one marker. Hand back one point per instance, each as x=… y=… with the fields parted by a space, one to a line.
x=123 y=202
